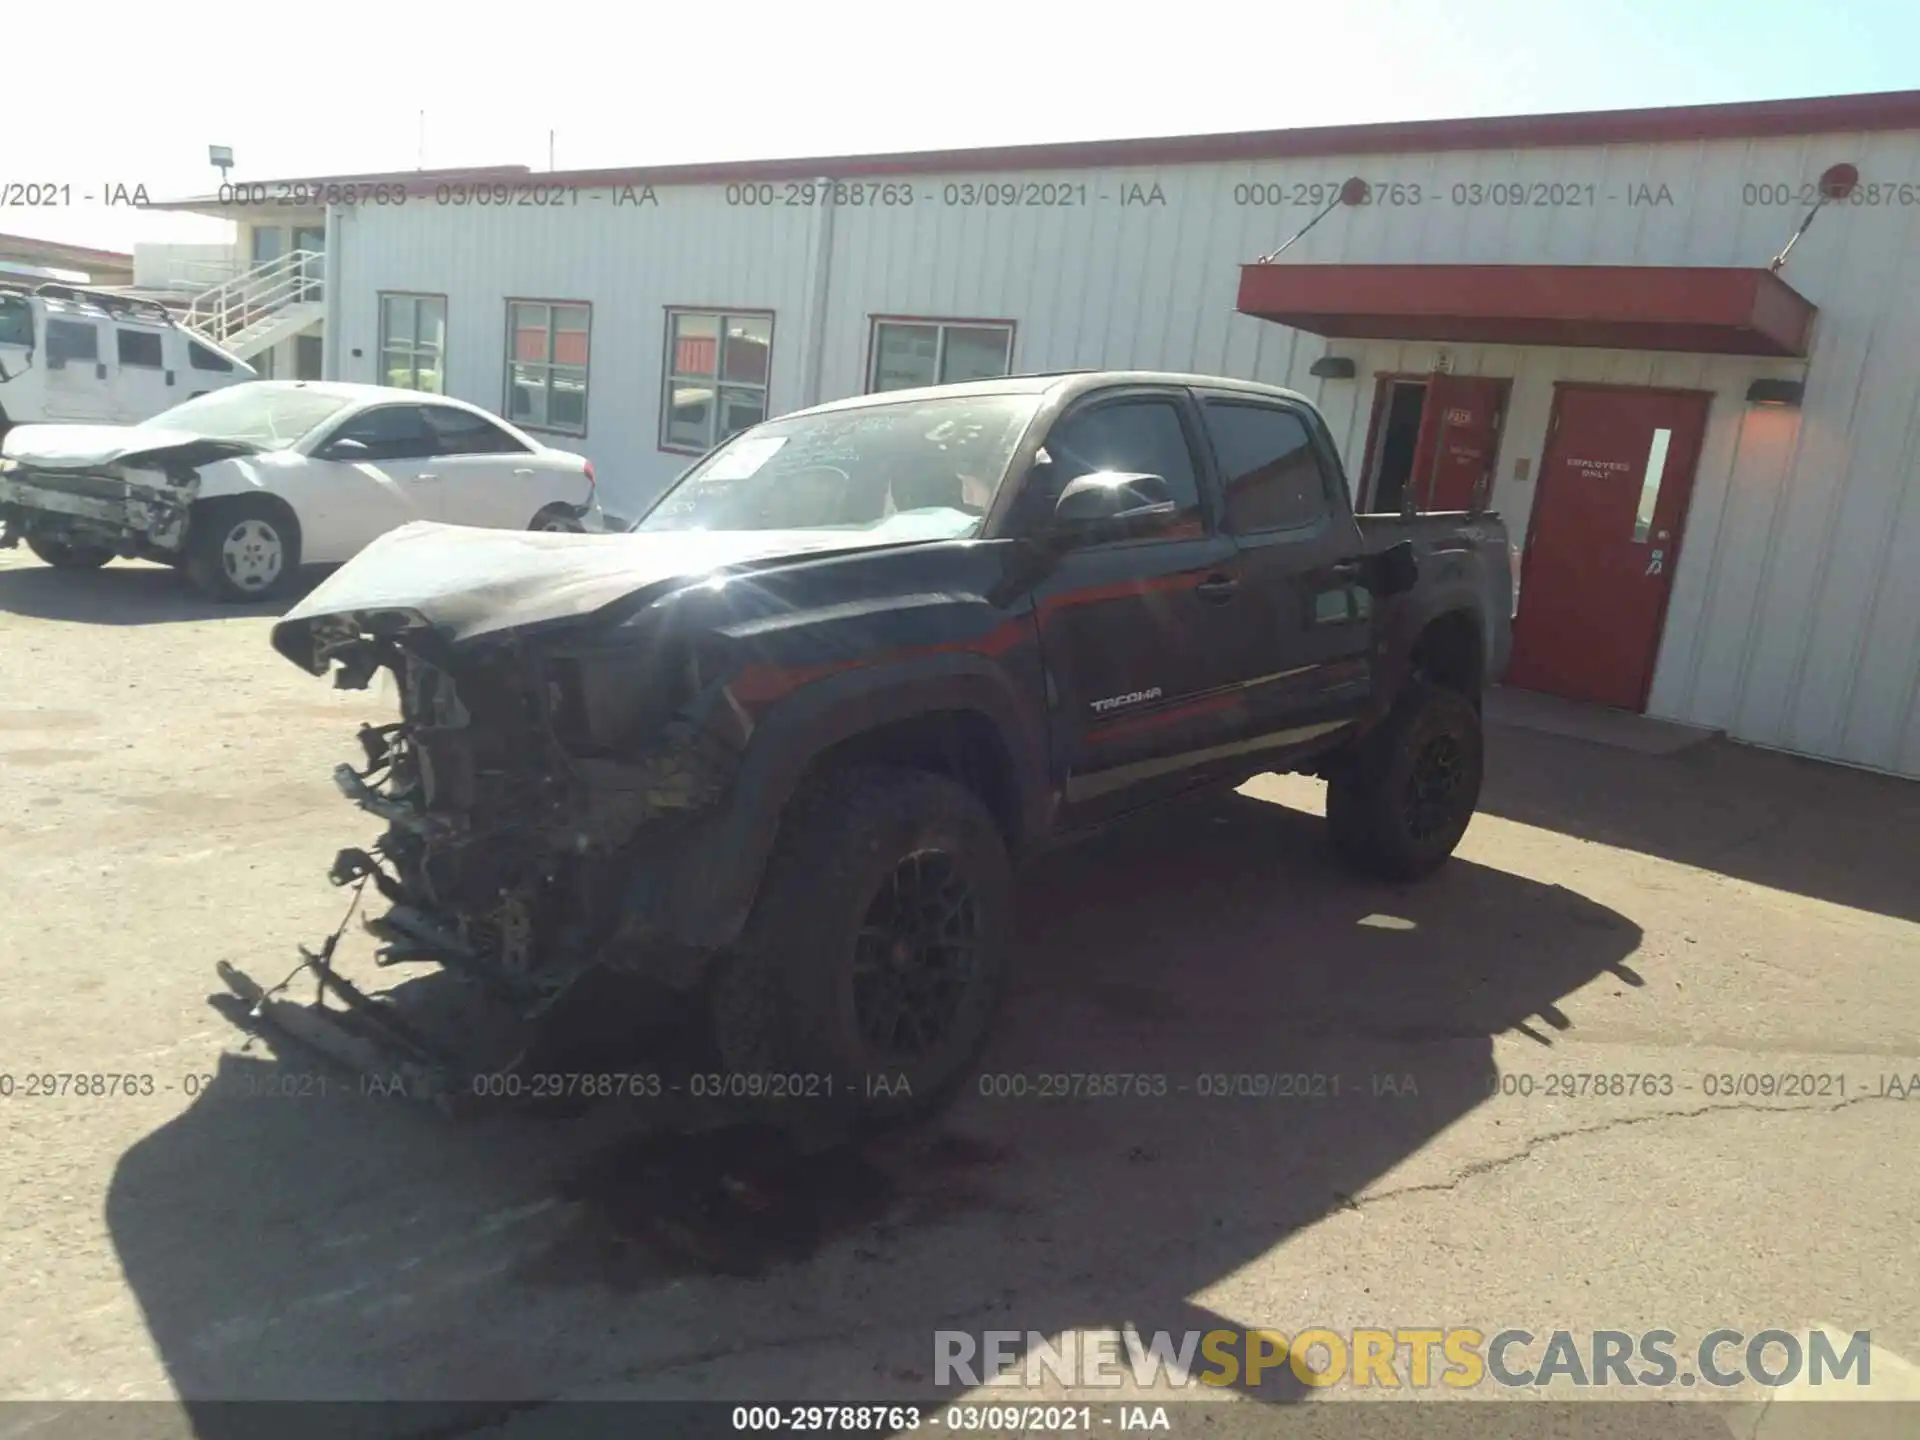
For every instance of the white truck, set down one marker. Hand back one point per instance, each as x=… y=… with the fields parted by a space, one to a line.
x=72 y=355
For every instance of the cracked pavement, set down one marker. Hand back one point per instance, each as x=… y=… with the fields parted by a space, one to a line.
x=1687 y=924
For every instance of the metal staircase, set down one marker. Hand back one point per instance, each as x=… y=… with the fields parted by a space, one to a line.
x=259 y=308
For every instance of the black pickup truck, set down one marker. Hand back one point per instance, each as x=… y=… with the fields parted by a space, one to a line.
x=780 y=748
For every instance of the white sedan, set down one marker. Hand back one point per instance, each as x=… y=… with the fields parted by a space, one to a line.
x=242 y=486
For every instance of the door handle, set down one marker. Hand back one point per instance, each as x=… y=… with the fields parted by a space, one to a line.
x=1217 y=589
x=523 y=471
x=1345 y=570
x=426 y=475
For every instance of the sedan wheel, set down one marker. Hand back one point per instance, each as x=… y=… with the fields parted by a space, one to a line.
x=253 y=555
x=245 y=549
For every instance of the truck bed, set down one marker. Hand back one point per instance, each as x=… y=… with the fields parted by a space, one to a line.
x=1459 y=549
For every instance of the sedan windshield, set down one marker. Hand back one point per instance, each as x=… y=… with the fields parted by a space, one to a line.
x=917 y=468
x=266 y=415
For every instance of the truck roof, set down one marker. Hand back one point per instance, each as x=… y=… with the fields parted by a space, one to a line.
x=1064 y=383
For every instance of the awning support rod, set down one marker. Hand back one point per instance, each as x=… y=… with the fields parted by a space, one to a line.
x=1355 y=192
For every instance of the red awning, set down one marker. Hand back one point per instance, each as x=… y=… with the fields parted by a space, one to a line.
x=1710 y=310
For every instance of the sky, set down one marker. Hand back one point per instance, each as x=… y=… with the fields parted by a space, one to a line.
x=314 y=90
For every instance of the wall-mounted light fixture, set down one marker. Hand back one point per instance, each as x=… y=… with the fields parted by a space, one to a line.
x=1333 y=367
x=1777 y=394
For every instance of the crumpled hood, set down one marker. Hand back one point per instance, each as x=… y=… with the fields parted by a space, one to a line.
x=467 y=582
x=75 y=447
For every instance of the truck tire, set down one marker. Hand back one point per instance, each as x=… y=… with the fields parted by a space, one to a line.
x=876 y=954
x=247 y=548
x=64 y=555
x=1399 y=805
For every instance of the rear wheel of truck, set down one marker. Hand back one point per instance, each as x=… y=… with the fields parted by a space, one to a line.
x=1398 y=805
x=876 y=954
x=64 y=555
x=242 y=549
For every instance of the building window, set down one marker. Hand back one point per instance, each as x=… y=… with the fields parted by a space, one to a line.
x=547 y=365
x=413 y=342
x=716 y=382
x=910 y=353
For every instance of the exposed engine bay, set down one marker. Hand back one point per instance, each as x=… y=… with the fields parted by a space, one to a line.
x=515 y=821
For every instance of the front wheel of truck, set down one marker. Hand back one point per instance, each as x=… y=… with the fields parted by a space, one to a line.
x=1400 y=803
x=875 y=957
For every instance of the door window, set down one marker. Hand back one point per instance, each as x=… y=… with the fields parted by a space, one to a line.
x=461 y=432
x=391 y=432
x=1268 y=466
x=1141 y=436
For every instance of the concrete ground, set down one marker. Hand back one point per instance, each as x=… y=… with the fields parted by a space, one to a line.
x=1690 y=919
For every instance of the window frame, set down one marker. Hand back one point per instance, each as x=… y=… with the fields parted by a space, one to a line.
x=1316 y=446
x=549 y=365
x=380 y=337
x=668 y=374
x=869 y=374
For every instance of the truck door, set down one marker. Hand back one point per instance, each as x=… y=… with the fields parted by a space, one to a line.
x=142 y=384
x=1307 y=668
x=1136 y=633
x=77 y=388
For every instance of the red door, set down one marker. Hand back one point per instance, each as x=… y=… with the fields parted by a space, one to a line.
x=1459 y=433
x=1601 y=543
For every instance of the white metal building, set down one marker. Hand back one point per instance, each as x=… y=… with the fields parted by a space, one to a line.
x=1571 y=310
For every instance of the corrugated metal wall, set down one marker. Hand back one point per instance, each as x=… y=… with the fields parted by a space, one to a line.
x=1795 y=613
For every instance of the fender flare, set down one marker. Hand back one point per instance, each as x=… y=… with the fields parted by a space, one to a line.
x=719 y=875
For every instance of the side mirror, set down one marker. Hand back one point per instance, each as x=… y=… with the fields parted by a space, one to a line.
x=1394 y=570
x=1112 y=505
x=346 y=448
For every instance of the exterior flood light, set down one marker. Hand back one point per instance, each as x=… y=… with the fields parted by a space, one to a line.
x=1777 y=394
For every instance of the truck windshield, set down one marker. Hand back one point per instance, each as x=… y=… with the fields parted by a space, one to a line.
x=925 y=467
x=264 y=415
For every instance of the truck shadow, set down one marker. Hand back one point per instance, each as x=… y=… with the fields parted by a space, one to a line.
x=338 y=1245
x=126 y=592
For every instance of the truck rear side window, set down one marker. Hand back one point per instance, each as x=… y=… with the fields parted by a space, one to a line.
x=139 y=347
x=201 y=358
x=1268 y=465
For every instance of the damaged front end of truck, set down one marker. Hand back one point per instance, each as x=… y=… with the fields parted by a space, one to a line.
x=540 y=793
